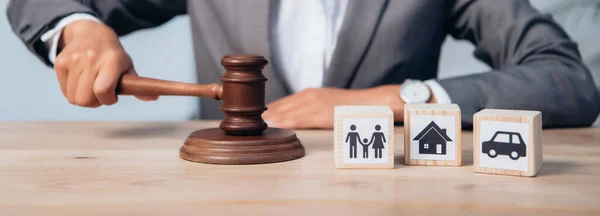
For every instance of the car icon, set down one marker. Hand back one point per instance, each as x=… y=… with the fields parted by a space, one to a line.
x=505 y=143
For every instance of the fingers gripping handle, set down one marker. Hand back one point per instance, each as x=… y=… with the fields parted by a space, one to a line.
x=142 y=86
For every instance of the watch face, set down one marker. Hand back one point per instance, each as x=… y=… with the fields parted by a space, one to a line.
x=415 y=92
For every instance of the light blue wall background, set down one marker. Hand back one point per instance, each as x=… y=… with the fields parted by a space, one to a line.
x=29 y=90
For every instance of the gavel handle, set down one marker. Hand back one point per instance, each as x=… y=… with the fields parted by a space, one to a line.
x=142 y=86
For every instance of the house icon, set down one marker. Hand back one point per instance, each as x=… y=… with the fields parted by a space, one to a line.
x=432 y=140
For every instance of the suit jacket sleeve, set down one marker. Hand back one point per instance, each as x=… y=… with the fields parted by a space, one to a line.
x=29 y=19
x=536 y=65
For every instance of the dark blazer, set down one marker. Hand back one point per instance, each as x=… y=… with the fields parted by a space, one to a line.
x=536 y=65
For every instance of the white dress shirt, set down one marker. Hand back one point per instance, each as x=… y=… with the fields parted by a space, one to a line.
x=306 y=32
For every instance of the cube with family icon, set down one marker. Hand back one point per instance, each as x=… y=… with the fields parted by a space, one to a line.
x=507 y=142
x=363 y=137
x=432 y=135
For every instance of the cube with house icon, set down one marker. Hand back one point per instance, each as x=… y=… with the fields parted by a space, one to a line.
x=432 y=135
x=363 y=137
x=507 y=142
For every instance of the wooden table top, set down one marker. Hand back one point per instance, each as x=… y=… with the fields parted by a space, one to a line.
x=134 y=169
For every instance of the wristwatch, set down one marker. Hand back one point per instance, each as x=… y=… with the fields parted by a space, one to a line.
x=414 y=92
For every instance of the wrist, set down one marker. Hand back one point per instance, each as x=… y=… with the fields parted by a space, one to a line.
x=79 y=29
x=386 y=95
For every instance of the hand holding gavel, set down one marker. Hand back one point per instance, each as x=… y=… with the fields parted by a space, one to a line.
x=90 y=64
x=93 y=68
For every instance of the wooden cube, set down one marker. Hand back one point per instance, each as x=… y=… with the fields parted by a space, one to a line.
x=507 y=142
x=432 y=135
x=363 y=137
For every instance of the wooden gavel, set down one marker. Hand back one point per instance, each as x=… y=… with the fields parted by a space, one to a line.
x=242 y=91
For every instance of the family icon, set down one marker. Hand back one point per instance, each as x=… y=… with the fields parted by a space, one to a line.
x=377 y=139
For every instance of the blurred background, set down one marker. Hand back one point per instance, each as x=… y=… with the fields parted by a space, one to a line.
x=30 y=91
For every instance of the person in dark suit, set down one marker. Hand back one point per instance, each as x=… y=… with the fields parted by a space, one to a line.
x=328 y=53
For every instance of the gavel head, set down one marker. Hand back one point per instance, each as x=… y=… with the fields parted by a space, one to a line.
x=243 y=94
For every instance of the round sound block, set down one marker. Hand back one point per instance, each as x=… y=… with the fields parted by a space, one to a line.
x=213 y=146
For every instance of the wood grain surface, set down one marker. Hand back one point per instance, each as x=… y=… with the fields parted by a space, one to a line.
x=120 y=168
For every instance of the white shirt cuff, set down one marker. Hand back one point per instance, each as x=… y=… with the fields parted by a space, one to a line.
x=51 y=37
x=438 y=92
